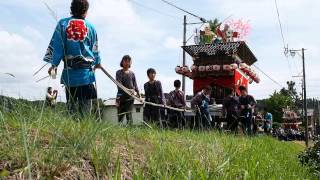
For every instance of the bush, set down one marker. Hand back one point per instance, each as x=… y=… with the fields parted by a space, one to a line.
x=311 y=157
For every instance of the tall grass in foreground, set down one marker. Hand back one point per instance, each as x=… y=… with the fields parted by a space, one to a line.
x=56 y=146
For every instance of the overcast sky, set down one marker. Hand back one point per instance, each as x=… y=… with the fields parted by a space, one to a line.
x=153 y=39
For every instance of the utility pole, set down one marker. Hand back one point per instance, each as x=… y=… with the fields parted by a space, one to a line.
x=314 y=117
x=184 y=52
x=318 y=117
x=305 y=99
x=302 y=98
x=305 y=112
x=4 y=102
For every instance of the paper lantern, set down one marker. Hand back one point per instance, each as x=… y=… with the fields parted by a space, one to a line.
x=256 y=79
x=251 y=73
x=185 y=69
x=202 y=68
x=188 y=74
x=194 y=68
x=234 y=66
x=179 y=69
x=244 y=67
x=227 y=67
x=209 y=68
x=216 y=67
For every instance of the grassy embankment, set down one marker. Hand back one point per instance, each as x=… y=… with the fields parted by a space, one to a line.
x=53 y=145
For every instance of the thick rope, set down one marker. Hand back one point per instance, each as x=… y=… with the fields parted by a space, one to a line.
x=130 y=93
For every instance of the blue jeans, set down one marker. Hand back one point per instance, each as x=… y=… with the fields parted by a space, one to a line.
x=247 y=122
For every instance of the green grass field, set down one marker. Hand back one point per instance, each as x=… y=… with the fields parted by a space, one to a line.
x=54 y=146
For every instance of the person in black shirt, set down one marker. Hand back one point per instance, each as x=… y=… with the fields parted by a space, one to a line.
x=230 y=109
x=247 y=105
x=124 y=101
x=154 y=94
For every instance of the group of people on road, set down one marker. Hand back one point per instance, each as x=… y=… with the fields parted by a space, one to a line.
x=288 y=134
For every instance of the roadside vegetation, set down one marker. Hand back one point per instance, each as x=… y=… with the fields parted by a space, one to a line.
x=49 y=145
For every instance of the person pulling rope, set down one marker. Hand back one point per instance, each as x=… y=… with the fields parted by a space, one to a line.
x=132 y=94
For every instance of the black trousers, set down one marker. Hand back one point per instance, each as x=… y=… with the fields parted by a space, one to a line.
x=79 y=99
x=125 y=110
x=151 y=114
x=176 y=119
x=232 y=120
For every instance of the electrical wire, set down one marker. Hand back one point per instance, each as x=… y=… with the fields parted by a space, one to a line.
x=154 y=10
x=52 y=12
x=283 y=39
x=177 y=7
x=277 y=83
x=280 y=24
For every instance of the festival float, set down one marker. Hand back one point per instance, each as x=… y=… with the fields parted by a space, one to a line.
x=290 y=119
x=221 y=59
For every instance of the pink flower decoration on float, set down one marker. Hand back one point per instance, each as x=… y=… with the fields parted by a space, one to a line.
x=241 y=26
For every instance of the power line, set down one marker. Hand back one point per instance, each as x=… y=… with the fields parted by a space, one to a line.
x=268 y=76
x=154 y=10
x=280 y=24
x=52 y=12
x=175 y=6
x=283 y=39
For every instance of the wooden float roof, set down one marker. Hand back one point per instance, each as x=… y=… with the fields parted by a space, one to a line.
x=231 y=48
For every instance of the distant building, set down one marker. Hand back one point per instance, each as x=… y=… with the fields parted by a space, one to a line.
x=312 y=120
x=110 y=112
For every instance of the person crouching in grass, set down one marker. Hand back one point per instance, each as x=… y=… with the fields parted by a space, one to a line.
x=201 y=102
x=154 y=94
x=51 y=97
x=128 y=79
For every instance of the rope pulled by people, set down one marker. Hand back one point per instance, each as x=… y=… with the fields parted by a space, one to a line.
x=132 y=94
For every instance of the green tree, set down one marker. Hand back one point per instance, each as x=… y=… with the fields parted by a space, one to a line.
x=214 y=24
x=276 y=103
x=291 y=91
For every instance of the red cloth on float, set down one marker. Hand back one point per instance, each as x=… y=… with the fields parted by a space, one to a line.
x=235 y=81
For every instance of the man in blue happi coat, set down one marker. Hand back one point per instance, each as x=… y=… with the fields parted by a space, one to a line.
x=75 y=43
